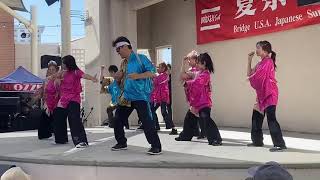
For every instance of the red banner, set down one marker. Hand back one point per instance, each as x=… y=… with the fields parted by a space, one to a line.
x=219 y=20
x=20 y=87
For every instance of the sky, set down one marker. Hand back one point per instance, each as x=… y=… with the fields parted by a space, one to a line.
x=49 y=16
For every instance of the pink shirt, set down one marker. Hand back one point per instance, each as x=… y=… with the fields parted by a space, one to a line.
x=186 y=87
x=264 y=82
x=200 y=91
x=160 y=91
x=51 y=97
x=70 y=87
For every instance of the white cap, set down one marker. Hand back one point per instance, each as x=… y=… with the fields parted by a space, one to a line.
x=15 y=173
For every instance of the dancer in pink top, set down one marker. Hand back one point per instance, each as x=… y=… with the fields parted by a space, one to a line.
x=160 y=98
x=50 y=99
x=191 y=120
x=200 y=101
x=69 y=104
x=263 y=81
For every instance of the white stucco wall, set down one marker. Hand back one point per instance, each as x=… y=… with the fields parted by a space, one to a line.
x=23 y=55
x=173 y=23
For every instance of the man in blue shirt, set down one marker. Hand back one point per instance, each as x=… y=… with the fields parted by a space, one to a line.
x=134 y=77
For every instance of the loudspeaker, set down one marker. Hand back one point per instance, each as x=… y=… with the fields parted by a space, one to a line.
x=10 y=105
x=45 y=59
x=307 y=2
x=50 y=2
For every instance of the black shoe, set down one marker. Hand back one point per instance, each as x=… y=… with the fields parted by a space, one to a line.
x=181 y=139
x=105 y=124
x=278 y=149
x=140 y=128
x=174 y=132
x=201 y=137
x=215 y=143
x=127 y=127
x=82 y=145
x=44 y=137
x=255 y=145
x=119 y=147
x=59 y=143
x=154 y=151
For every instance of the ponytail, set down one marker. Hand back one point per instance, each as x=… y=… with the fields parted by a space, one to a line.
x=273 y=57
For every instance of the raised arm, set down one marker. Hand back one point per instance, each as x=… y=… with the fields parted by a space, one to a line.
x=91 y=78
x=249 y=67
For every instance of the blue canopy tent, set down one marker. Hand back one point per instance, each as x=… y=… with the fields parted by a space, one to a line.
x=21 y=80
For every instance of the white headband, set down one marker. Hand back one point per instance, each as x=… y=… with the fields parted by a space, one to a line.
x=119 y=44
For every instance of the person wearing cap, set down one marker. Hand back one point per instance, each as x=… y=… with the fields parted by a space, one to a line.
x=15 y=173
x=134 y=77
x=269 y=171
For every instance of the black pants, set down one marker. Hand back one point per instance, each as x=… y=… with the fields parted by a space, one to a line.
x=274 y=127
x=76 y=127
x=165 y=115
x=144 y=114
x=169 y=107
x=45 y=129
x=110 y=110
x=202 y=125
x=111 y=117
x=190 y=126
x=210 y=126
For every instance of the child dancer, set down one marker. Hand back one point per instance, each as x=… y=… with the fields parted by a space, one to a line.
x=262 y=79
x=160 y=98
x=200 y=101
x=69 y=104
x=111 y=86
x=50 y=99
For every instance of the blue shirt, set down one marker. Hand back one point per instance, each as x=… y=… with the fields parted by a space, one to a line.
x=137 y=90
x=114 y=91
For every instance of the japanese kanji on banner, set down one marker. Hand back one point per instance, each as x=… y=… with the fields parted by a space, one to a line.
x=219 y=20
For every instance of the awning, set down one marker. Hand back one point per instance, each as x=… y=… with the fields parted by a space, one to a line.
x=15 y=4
x=20 y=80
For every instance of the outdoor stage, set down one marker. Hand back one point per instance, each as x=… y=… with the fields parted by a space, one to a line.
x=180 y=160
